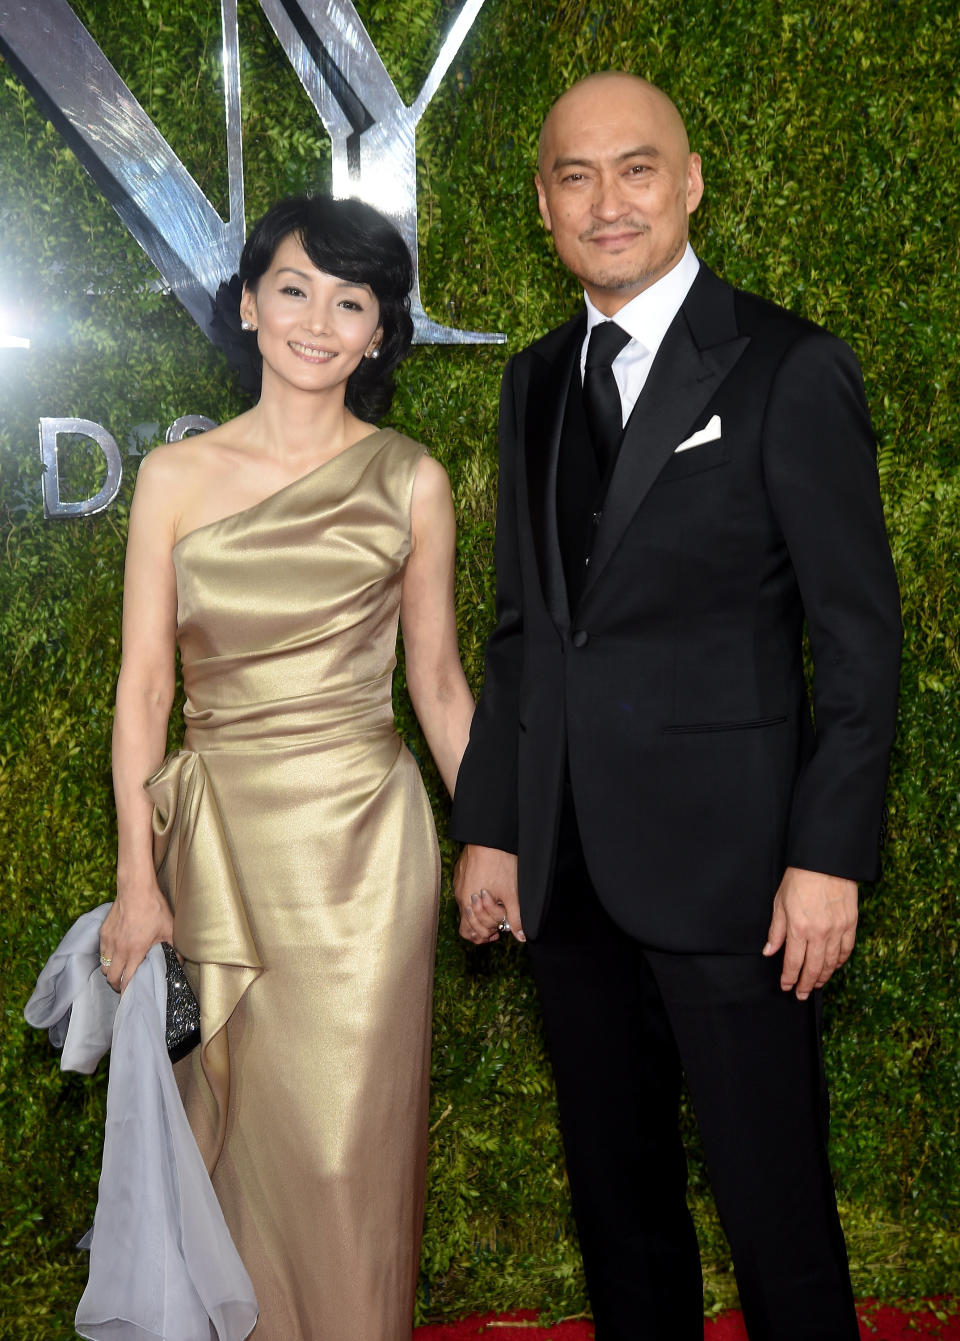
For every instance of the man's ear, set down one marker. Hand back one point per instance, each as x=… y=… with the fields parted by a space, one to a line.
x=542 y=203
x=694 y=183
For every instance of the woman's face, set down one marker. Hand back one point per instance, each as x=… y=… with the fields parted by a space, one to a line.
x=312 y=328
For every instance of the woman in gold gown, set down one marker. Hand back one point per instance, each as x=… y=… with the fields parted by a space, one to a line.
x=288 y=850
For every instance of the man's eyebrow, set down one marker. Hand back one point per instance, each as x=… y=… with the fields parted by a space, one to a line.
x=640 y=151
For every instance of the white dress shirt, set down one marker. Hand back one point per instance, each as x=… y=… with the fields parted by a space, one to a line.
x=645 y=319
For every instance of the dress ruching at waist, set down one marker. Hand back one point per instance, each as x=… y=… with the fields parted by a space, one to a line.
x=319 y=721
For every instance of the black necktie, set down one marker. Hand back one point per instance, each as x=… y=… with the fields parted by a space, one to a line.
x=601 y=396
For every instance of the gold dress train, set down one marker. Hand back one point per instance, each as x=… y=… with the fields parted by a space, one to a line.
x=295 y=842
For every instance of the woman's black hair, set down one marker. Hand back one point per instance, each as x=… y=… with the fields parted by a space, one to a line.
x=346 y=238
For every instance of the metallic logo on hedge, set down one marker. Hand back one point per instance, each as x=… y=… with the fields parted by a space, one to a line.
x=373 y=148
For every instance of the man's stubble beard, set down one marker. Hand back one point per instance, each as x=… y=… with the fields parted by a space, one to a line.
x=612 y=279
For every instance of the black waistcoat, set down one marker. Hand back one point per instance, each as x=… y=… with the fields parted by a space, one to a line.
x=580 y=491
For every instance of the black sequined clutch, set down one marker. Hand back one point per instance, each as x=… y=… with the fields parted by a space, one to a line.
x=183 y=1009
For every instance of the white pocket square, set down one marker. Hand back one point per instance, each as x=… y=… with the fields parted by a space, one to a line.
x=708 y=434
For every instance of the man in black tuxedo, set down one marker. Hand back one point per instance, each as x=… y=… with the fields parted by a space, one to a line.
x=681 y=489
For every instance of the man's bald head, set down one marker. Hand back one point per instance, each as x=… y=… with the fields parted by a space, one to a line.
x=582 y=99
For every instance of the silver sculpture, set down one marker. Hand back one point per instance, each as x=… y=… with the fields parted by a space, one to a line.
x=372 y=135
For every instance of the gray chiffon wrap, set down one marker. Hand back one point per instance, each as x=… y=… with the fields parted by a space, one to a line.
x=162 y=1263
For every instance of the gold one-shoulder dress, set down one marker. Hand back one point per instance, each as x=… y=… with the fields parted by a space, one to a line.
x=295 y=842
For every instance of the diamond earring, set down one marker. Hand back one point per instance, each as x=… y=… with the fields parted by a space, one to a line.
x=374 y=354
x=247 y=326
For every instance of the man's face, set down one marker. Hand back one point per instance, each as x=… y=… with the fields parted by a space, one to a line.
x=617 y=185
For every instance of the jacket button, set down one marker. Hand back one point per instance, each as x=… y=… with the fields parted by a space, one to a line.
x=581 y=638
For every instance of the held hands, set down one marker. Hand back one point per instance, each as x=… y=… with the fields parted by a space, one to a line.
x=815 y=915
x=140 y=918
x=485 y=887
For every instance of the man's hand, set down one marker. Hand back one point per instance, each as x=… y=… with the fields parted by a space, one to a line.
x=816 y=915
x=485 y=887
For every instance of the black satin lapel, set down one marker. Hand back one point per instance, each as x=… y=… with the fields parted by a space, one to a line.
x=681 y=384
x=543 y=425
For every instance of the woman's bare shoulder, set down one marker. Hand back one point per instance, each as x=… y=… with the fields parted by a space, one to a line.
x=431 y=480
x=193 y=461
x=432 y=501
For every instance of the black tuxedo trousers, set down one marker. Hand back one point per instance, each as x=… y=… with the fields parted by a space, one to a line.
x=623 y=1025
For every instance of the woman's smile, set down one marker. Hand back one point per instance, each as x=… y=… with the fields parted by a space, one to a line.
x=311 y=353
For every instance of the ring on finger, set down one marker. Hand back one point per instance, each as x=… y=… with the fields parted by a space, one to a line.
x=503 y=925
x=105 y=961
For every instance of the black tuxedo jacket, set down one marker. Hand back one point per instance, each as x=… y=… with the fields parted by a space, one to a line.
x=674 y=692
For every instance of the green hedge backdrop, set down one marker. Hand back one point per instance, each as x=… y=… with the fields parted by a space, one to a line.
x=828 y=135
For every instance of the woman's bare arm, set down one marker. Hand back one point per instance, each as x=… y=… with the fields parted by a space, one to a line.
x=141 y=915
x=435 y=680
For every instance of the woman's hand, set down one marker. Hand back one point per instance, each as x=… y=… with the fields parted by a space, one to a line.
x=140 y=918
x=485 y=888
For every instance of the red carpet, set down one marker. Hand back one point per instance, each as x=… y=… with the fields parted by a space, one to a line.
x=916 y=1322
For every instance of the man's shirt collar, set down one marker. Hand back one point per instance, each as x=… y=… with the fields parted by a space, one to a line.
x=647 y=317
